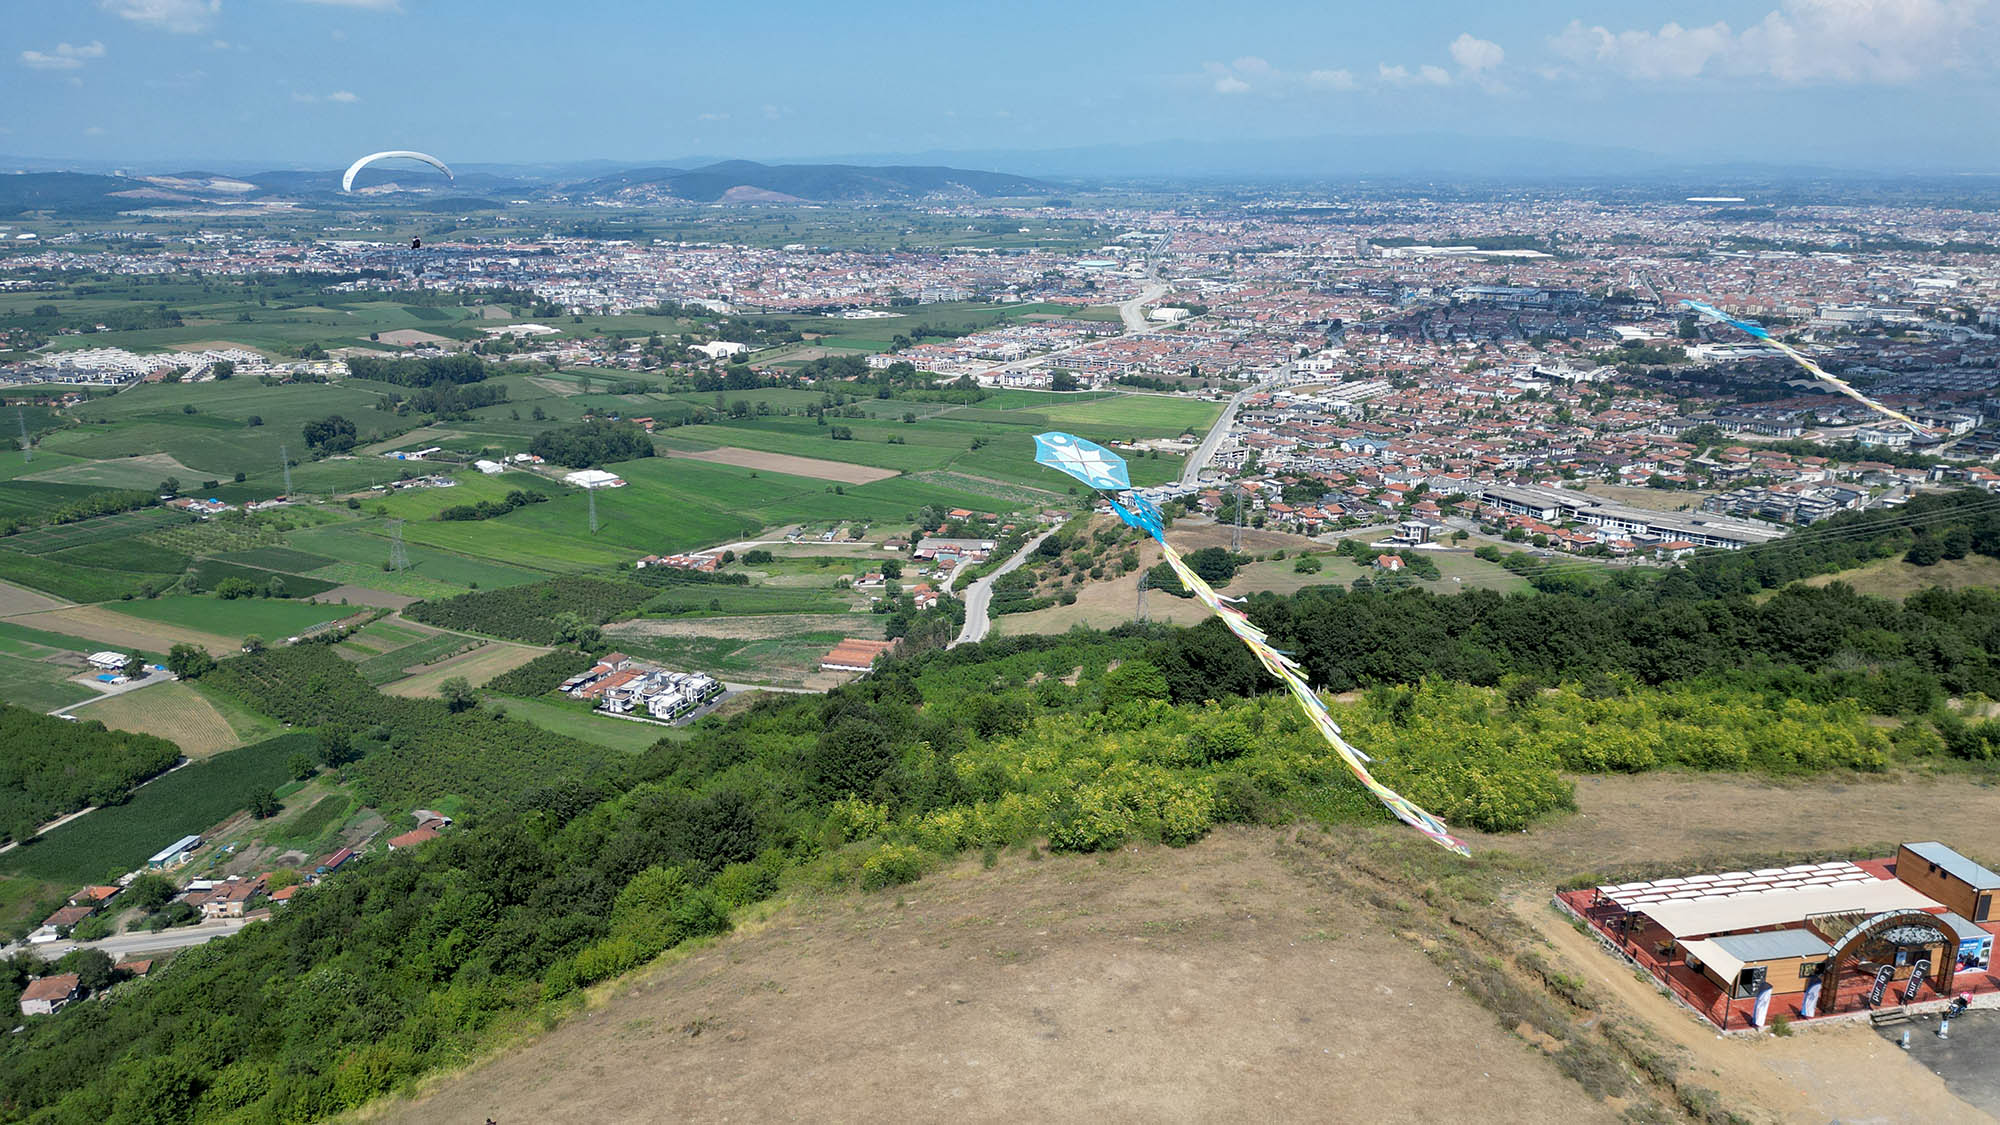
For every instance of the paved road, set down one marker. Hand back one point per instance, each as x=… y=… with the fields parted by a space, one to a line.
x=1198 y=460
x=980 y=594
x=121 y=946
x=1133 y=312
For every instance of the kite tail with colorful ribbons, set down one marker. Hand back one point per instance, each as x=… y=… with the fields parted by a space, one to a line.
x=1104 y=470
x=1803 y=360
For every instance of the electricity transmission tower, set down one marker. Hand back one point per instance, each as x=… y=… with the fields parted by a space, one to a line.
x=1236 y=534
x=1139 y=611
x=399 y=559
x=592 y=493
x=27 y=447
x=285 y=459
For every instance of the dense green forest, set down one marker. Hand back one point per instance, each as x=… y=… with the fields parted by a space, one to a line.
x=52 y=766
x=572 y=865
x=598 y=441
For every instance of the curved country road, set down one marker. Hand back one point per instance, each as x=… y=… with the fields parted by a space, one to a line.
x=980 y=594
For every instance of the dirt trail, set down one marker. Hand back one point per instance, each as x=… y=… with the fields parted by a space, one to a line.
x=1200 y=984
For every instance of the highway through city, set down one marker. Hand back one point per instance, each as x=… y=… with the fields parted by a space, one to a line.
x=1199 y=459
x=980 y=594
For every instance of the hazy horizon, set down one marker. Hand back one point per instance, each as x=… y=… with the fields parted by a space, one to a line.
x=1863 y=85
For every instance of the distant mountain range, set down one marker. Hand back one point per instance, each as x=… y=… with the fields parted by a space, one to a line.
x=85 y=194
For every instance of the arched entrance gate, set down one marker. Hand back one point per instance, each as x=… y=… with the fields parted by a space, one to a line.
x=1891 y=938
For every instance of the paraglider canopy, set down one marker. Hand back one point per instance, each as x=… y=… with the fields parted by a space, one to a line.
x=347 y=180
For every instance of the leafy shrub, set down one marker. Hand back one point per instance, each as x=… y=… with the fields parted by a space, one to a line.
x=891 y=865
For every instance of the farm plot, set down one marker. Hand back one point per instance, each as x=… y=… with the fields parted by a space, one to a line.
x=177 y=712
x=101 y=627
x=475 y=667
x=142 y=472
x=117 y=838
x=271 y=618
x=18 y=599
x=812 y=467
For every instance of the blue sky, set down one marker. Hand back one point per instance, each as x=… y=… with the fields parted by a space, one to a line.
x=1861 y=83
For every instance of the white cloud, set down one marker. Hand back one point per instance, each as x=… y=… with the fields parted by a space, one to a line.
x=713 y=117
x=64 y=57
x=367 y=5
x=94 y=131
x=1802 y=41
x=1425 y=75
x=1475 y=55
x=347 y=97
x=181 y=16
x=1251 y=73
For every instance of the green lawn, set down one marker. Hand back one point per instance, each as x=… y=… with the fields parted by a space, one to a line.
x=564 y=718
x=270 y=618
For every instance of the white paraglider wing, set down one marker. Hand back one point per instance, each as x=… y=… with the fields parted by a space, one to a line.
x=347 y=181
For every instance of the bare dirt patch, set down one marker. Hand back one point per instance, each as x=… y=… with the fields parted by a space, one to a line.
x=812 y=467
x=1152 y=984
x=16 y=600
x=1645 y=818
x=1651 y=499
x=476 y=667
x=407 y=336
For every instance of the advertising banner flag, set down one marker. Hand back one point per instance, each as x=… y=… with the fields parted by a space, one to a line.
x=1762 y=1011
x=1916 y=979
x=1882 y=976
x=1810 y=1008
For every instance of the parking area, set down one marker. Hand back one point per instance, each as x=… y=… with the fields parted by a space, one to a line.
x=1966 y=1060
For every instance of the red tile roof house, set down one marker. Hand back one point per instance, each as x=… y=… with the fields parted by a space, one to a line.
x=227 y=900
x=422 y=833
x=1388 y=562
x=47 y=996
x=69 y=916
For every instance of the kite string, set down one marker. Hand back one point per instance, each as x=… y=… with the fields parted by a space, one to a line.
x=1800 y=358
x=1283 y=667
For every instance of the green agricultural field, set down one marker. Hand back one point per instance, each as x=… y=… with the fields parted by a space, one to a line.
x=710 y=601
x=278 y=558
x=31 y=677
x=115 y=839
x=431 y=648
x=788 y=660
x=572 y=720
x=367 y=545
x=218 y=439
x=271 y=618
x=1135 y=416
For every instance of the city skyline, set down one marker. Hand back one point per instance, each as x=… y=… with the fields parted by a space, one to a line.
x=1873 y=85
